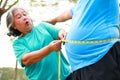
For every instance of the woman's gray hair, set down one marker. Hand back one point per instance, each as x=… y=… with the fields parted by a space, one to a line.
x=10 y=23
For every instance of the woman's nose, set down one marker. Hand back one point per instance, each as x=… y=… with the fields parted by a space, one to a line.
x=24 y=17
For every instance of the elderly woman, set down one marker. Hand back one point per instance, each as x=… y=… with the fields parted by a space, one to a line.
x=36 y=46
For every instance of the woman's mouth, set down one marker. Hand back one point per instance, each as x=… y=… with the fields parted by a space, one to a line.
x=27 y=23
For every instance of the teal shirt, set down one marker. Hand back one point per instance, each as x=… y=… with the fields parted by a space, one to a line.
x=47 y=68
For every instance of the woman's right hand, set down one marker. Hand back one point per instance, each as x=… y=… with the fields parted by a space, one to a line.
x=55 y=45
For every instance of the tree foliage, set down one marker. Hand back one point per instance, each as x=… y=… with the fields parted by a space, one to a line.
x=8 y=74
x=73 y=1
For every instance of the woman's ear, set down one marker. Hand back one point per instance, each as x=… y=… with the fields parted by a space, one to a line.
x=14 y=27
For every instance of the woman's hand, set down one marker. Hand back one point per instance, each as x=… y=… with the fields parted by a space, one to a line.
x=55 y=45
x=62 y=34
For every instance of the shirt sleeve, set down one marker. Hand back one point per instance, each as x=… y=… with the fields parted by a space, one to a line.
x=72 y=10
x=51 y=29
x=20 y=50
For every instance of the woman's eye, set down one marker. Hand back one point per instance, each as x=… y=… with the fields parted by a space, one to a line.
x=18 y=17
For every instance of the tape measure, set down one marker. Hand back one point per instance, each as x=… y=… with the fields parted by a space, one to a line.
x=90 y=41
x=80 y=42
x=59 y=65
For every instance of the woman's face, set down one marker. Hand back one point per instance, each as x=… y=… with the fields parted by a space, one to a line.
x=22 y=21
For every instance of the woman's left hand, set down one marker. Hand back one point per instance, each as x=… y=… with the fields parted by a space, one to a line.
x=62 y=34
